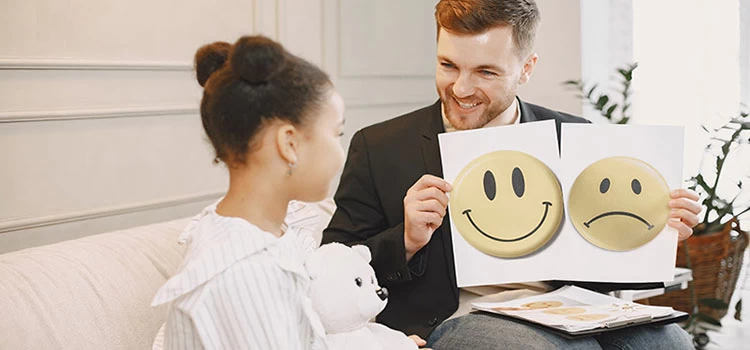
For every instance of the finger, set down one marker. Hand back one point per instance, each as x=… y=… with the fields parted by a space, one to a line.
x=431 y=193
x=687 y=217
x=685 y=203
x=431 y=205
x=683 y=231
x=431 y=219
x=418 y=340
x=684 y=193
x=428 y=180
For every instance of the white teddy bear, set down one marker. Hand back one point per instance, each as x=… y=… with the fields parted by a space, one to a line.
x=346 y=296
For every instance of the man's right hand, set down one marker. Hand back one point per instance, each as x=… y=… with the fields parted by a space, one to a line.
x=424 y=208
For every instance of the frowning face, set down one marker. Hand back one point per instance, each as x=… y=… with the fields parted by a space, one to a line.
x=506 y=204
x=619 y=203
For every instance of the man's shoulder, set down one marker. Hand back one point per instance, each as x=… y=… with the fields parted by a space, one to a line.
x=543 y=113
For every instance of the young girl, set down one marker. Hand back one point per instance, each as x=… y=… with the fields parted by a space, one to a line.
x=275 y=120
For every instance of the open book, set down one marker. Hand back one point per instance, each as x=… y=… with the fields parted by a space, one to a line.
x=573 y=311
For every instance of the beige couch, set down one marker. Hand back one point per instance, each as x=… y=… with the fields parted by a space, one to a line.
x=95 y=292
x=89 y=293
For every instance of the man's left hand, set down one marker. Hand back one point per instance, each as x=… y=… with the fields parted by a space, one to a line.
x=685 y=210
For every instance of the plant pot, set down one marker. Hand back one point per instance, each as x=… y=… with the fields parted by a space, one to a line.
x=716 y=261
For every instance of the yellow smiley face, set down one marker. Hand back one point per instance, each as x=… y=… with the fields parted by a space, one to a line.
x=542 y=304
x=506 y=204
x=588 y=317
x=565 y=311
x=619 y=203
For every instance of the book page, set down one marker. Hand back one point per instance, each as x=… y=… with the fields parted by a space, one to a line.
x=574 y=309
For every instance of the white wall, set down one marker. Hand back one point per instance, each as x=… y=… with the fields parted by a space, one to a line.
x=99 y=127
x=689 y=71
x=558 y=45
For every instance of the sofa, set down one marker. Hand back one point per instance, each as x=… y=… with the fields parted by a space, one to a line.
x=95 y=292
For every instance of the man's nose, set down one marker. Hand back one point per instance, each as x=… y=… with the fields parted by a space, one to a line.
x=463 y=86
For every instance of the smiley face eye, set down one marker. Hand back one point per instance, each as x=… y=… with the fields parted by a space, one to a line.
x=635 y=185
x=490 y=189
x=358 y=281
x=519 y=184
x=604 y=186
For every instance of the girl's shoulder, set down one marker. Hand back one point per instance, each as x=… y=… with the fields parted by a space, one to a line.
x=215 y=244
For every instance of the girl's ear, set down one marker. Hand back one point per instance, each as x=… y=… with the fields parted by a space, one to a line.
x=287 y=142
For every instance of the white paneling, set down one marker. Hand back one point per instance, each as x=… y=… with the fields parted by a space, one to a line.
x=386 y=91
x=166 y=30
x=15 y=240
x=558 y=45
x=301 y=28
x=386 y=38
x=24 y=90
x=80 y=165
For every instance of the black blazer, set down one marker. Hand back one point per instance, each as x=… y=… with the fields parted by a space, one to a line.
x=384 y=161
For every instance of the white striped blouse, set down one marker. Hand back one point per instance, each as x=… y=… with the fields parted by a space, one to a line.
x=240 y=287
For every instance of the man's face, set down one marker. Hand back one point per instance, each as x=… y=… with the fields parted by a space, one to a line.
x=478 y=75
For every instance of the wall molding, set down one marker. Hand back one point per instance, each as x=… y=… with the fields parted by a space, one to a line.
x=64 y=218
x=97 y=65
x=363 y=75
x=78 y=114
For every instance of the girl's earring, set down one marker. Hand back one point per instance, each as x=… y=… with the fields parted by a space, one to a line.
x=291 y=167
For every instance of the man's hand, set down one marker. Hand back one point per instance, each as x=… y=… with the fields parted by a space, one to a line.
x=424 y=208
x=685 y=210
x=419 y=341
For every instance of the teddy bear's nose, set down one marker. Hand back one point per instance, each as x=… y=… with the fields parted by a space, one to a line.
x=382 y=293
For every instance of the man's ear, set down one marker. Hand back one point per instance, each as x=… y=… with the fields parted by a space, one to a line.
x=287 y=142
x=528 y=68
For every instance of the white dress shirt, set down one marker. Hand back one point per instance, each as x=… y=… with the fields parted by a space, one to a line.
x=240 y=287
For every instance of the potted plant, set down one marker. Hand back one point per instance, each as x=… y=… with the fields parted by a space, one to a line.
x=616 y=112
x=715 y=250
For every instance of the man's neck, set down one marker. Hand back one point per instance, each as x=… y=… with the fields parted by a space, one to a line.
x=508 y=117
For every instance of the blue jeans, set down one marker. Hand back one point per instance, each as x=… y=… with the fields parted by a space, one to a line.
x=480 y=331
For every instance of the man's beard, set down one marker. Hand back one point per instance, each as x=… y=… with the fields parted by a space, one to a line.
x=452 y=112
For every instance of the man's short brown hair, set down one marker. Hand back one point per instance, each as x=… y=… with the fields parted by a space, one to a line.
x=478 y=16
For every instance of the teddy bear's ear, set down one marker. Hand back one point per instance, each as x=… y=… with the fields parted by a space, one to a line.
x=363 y=251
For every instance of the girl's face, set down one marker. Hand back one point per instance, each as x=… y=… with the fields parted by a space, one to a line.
x=321 y=155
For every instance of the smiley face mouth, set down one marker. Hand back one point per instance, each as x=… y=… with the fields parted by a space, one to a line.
x=546 y=204
x=623 y=213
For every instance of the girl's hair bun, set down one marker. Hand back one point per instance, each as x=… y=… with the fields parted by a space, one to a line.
x=209 y=58
x=256 y=59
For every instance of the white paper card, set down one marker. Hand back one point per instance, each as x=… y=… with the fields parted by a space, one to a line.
x=492 y=213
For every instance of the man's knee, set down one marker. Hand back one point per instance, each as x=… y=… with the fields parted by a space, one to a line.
x=479 y=331
x=666 y=337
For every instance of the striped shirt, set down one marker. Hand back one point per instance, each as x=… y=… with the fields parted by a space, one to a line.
x=240 y=287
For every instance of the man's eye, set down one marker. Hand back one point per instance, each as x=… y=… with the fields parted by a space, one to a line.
x=446 y=65
x=487 y=73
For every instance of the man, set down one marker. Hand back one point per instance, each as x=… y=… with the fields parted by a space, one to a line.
x=391 y=196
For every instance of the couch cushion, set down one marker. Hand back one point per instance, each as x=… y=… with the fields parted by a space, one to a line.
x=90 y=293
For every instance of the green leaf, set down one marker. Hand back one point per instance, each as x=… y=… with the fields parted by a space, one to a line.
x=738 y=310
x=601 y=102
x=591 y=91
x=611 y=109
x=714 y=303
x=708 y=319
